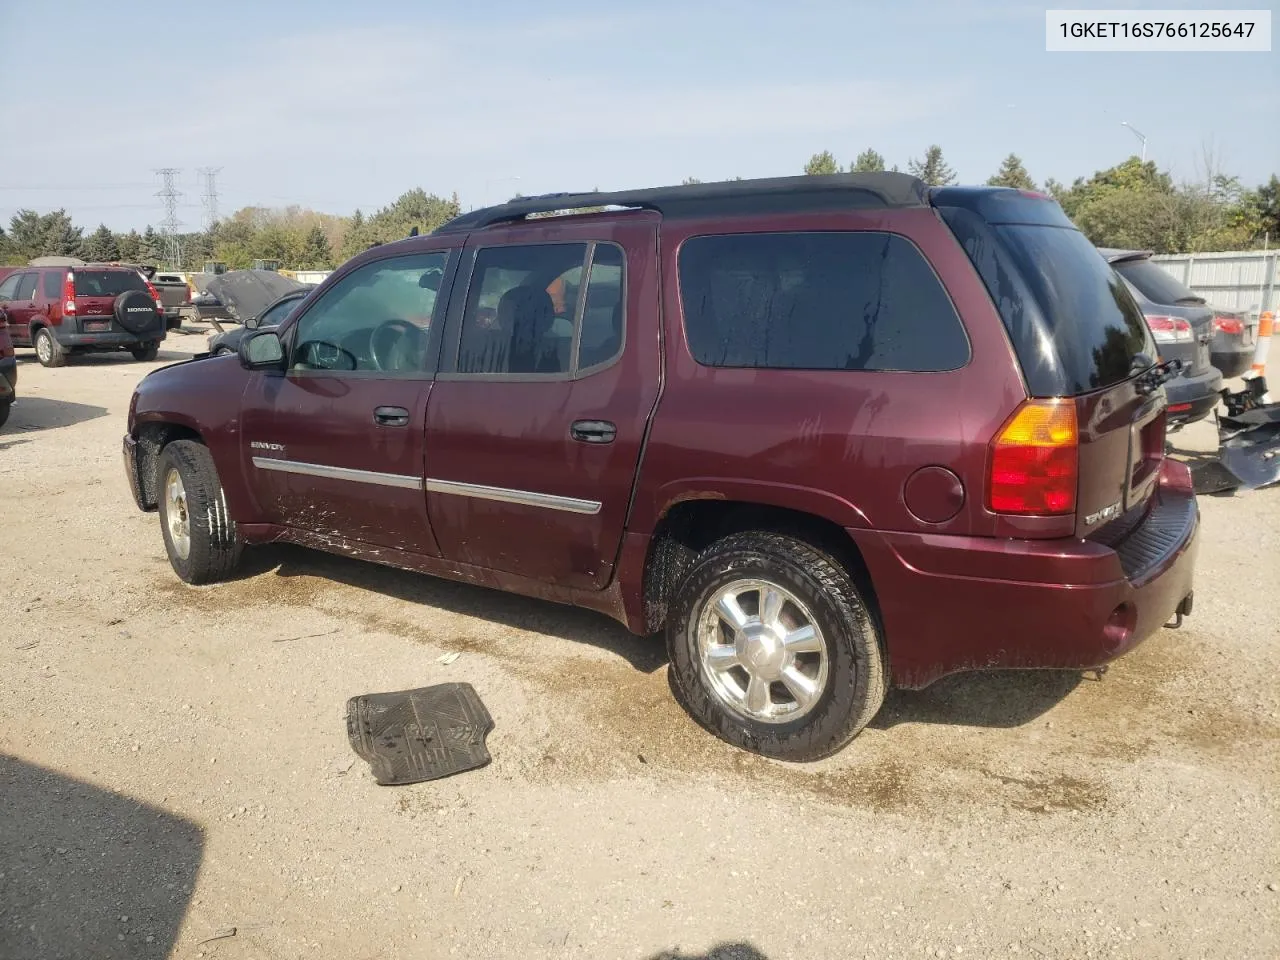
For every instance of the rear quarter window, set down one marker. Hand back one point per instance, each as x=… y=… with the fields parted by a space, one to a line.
x=51 y=284
x=817 y=301
x=107 y=283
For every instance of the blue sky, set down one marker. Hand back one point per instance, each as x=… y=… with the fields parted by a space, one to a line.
x=343 y=105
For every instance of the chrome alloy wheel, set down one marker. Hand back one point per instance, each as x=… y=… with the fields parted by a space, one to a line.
x=176 y=515
x=761 y=651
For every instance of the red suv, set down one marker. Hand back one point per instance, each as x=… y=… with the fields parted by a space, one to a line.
x=8 y=373
x=827 y=433
x=66 y=310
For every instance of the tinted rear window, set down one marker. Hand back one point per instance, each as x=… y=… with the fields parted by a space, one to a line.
x=817 y=301
x=1074 y=325
x=52 y=284
x=1154 y=284
x=107 y=283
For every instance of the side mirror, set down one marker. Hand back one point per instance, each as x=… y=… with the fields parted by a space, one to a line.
x=262 y=351
x=251 y=323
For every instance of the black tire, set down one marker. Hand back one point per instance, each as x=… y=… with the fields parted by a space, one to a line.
x=48 y=351
x=214 y=545
x=173 y=323
x=856 y=679
x=223 y=352
x=4 y=411
x=147 y=351
x=136 y=312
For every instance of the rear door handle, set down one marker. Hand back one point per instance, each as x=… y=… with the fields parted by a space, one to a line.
x=391 y=416
x=593 y=431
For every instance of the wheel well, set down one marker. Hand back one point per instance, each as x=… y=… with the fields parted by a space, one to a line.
x=690 y=527
x=152 y=439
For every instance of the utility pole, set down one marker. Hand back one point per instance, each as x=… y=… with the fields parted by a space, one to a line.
x=169 y=194
x=209 y=199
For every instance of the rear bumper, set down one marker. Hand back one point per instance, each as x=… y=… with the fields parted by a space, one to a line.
x=1231 y=362
x=106 y=339
x=1199 y=393
x=8 y=379
x=951 y=604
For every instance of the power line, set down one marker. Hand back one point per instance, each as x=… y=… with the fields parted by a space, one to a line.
x=168 y=194
x=209 y=200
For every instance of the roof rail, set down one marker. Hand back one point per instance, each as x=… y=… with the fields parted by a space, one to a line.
x=771 y=195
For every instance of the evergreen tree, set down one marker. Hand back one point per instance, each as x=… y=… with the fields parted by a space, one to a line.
x=1012 y=174
x=100 y=246
x=868 y=161
x=315 y=253
x=933 y=170
x=821 y=163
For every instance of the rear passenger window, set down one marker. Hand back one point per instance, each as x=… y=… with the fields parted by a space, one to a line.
x=817 y=301
x=602 y=321
x=52 y=284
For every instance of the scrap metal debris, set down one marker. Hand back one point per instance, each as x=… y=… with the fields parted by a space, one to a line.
x=423 y=734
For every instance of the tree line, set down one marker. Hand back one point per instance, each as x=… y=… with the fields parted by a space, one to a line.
x=299 y=238
x=1133 y=205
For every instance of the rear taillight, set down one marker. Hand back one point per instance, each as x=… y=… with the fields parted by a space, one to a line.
x=1228 y=324
x=155 y=294
x=1170 y=329
x=1034 y=462
x=69 y=293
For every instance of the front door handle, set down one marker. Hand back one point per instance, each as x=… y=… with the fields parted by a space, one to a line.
x=593 y=431
x=391 y=416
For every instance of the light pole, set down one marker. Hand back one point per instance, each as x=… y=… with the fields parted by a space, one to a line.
x=1134 y=131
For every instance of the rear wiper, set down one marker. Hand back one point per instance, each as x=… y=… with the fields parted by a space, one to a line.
x=1191 y=300
x=1156 y=376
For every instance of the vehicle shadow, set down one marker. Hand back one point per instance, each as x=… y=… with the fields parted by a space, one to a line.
x=580 y=626
x=87 y=872
x=721 y=951
x=988 y=698
x=42 y=413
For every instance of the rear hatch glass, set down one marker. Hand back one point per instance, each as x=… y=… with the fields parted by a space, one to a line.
x=107 y=283
x=1074 y=326
x=1154 y=283
x=1077 y=332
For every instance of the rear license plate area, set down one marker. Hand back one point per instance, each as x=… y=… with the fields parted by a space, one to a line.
x=97 y=326
x=1146 y=453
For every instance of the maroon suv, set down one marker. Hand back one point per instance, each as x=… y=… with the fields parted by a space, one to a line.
x=65 y=310
x=828 y=433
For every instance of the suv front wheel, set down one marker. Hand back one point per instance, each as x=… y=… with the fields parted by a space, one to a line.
x=199 y=534
x=773 y=649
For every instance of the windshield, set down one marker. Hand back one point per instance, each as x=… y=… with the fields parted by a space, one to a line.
x=1073 y=324
x=107 y=283
x=1154 y=283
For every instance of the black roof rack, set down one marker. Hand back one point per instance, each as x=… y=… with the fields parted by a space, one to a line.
x=772 y=195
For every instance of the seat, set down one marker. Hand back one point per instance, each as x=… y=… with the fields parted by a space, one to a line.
x=528 y=313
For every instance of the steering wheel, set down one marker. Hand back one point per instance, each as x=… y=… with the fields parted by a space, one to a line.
x=322 y=355
x=397 y=345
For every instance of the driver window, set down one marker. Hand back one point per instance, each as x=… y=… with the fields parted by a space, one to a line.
x=375 y=319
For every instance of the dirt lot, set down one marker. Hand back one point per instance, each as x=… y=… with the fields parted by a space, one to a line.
x=174 y=765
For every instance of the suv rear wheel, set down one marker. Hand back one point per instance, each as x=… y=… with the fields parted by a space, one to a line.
x=48 y=351
x=199 y=534
x=773 y=649
x=146 y=351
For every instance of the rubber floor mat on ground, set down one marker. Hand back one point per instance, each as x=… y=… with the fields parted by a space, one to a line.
x=423 y=734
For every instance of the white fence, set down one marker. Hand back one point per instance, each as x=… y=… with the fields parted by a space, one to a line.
x=1241 y=280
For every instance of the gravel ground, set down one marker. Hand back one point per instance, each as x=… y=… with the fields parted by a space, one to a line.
x=175 y=778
